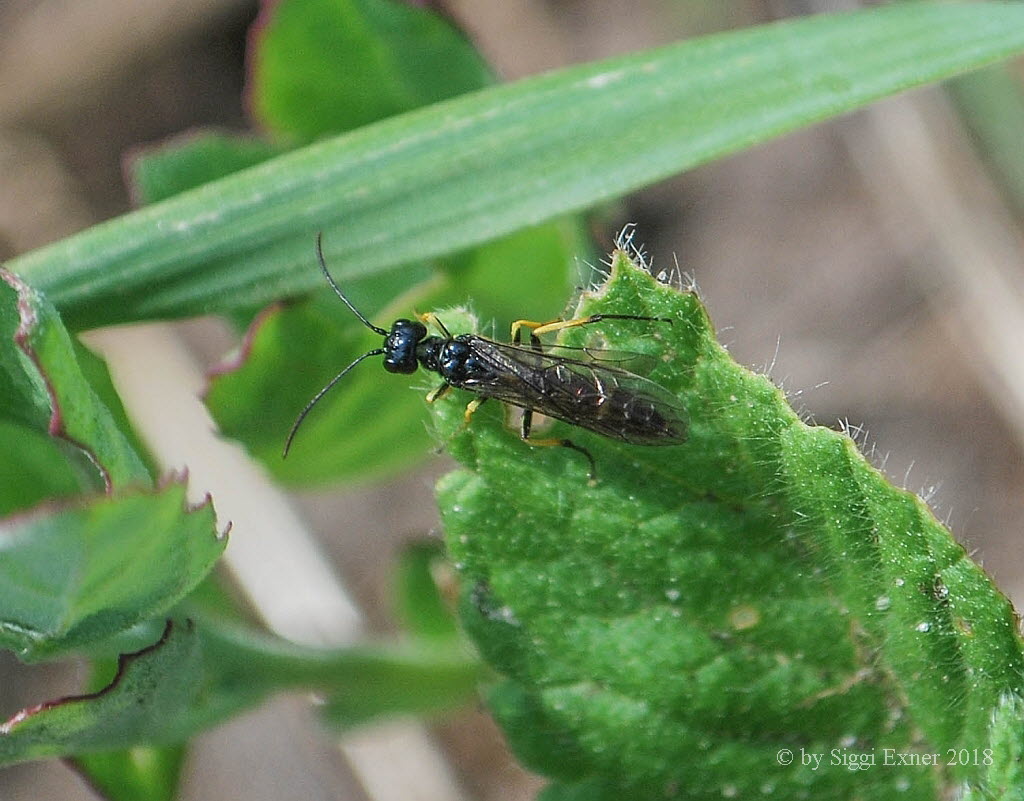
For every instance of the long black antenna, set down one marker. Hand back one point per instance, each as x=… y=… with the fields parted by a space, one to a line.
x=337 y=291
x=338 y=377
x=320 y=394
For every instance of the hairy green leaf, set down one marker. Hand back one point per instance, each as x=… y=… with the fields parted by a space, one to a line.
x=673 y=627
x=1001 y=761
x=73 y=575
x=461 y=172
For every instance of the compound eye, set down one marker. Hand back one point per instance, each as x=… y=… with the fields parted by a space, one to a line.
x=399 y=365
x=401 y=359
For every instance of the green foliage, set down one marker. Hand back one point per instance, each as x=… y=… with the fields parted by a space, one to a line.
x=706 y=605
x=83 y=573
x=152 y=687
x=324 y=66
x=42 y=470
x=1003 y=763
x=421 y=608
x=454 y=174
x=292 y=350
x=142 y=773
x=202 y=672
x=45 y=388
x=665 y=631
x=373 y=423
x=159 y=173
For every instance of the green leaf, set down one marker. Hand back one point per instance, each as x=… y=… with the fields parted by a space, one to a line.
x=326 y=66
x=202 y=673
x=368 y=427
x=1002 y=760
x=45 y=385
x=143 y=773
x=415 y=676
x=412 y=676
x=151 y=688
x=584 y=791
x=187 y=162
x=440 y=179
x=702 y=606
x=73 y=575
x=421 y=607
x=390 y=685
x=41 y=470
x=363 y=429
x=94 y=368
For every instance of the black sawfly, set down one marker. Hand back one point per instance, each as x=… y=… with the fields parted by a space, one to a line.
x=581 y=388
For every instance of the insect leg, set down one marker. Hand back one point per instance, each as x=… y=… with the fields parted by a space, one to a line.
x=558 y=325
x=555 y=441
x=533 y=325
x=471 y=407
x=440 y=392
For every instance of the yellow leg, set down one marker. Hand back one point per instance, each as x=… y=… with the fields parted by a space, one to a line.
x=567 y=443
x=524 y=434
x=533 y=325
x=558 y=325
x=471 y=407
x=538 y=328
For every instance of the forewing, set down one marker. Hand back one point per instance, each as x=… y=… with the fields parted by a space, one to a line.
x=602 y=406
x=581 y=391
x=514 y=374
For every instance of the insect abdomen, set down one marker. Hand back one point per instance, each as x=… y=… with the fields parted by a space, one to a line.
x=637 y=419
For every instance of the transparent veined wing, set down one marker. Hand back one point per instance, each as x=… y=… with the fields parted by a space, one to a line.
x=582 y=390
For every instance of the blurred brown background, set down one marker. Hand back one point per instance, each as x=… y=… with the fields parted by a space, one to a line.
x=868 y=263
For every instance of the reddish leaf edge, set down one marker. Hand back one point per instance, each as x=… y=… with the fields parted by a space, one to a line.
x=51 y=506
x=253 y=53
x=238 y=358
x=124 y=661
x=27 y=321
